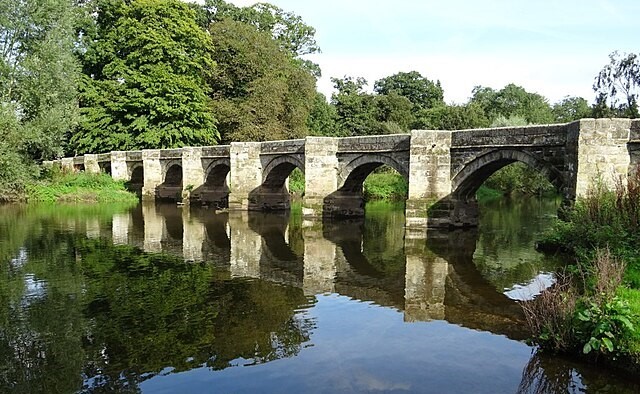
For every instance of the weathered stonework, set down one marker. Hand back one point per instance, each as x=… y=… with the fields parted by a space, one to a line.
x=91 y=165
x=193 y=173
x=152 y=172
x=444 y=168
x=603 y=152
x=245 y=173
x=119 y=170
x=321 y=173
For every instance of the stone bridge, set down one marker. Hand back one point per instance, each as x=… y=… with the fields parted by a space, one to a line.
x=444 y=168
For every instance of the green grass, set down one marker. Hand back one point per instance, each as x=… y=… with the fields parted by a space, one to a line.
x=78 y=187
x=486 y=193
x=389 y=186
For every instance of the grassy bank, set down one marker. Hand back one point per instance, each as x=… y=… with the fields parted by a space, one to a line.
x=594 y=310
x=56 y=186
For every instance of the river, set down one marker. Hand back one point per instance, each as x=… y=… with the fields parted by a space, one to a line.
x=166 y=299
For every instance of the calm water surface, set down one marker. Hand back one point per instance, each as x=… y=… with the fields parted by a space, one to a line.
x=160 y=299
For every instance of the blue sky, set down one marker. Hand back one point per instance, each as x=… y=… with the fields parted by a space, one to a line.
x=552 y=47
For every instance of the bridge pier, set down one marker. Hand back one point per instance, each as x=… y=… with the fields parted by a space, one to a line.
x=431 y=203
x=245 y=174
x=192 y=172
x=152 y=173
x=119 y=170
x=91 y=165
x=321 y=174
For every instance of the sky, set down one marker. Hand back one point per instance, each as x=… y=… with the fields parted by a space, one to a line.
x=551 y=47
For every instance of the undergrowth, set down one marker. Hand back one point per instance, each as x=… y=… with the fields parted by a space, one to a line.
x=56 y=185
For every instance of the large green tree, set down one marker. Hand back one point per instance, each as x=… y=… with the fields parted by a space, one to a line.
x=617 y=86
x=421 y=92
x=38 y=80
x=288 y=29
x=513 y=100
x=571 y=108
x=145 y=67
x=259 y=91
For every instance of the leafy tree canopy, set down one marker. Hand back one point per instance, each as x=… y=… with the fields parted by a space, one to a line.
x=144 y=87
x=259 y=92
x=288 y=29
x=513 y=100
x=570 y=109
x=617 y=86
x=420 y=91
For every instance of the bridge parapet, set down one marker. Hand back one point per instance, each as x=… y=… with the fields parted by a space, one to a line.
x=375 y=143
x=283 y=147
x=210 y=152
x=536 y=135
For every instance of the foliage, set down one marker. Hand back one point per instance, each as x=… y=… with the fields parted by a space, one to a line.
x=57 y=186
x=38 y=76
x=322 y=118
x=513 y=100
x=144 y=85
x=296 y=182
x=602 y=231
x=452 y=117
x=570 y=109
x=595 y=320
x=420 y=91
x=385 y=184
x=618 y=85
x=259 y=92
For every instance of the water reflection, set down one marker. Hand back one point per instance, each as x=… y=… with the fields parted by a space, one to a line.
x=119 y=299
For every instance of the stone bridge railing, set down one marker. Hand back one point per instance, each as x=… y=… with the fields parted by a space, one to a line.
x=444 y=168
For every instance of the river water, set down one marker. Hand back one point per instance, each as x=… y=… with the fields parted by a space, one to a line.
x=163 y=299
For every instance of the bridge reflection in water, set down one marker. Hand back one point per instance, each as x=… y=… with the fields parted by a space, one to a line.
x=430 y=278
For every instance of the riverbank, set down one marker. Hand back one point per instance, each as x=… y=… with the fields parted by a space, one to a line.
x=59 y=187
x=594 y=309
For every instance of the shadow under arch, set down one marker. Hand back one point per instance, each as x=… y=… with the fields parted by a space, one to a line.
x=460 y=208
x=136 y=181
x=214 y=191
x=348 y=200
x=171 y=188
x=273 y=193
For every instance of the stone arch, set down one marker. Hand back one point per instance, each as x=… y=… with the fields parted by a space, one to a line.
x=136 y=174
x=216 y=173
x=173 y=173
x=277 y=171
x=466 y=182
x=105 y=166
x=354 y=173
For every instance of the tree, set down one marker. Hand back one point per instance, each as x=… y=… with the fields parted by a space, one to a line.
x=420 y=91
x=452 y=117
x=144 y=87
x=513 y=100
x=323 y=117
x=259 y=91
x=38 y=82
x=289 y=30
x=618 y=85
x=570 y=109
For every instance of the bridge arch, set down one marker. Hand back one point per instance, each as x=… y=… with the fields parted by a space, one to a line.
x=136 y=174
x=353 y=174
x=467 y=181
x=277 y=171
x=172 y=173
x=216 y=173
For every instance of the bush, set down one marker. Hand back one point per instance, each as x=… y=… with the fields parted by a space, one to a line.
x=385 y=184
x=60 y=186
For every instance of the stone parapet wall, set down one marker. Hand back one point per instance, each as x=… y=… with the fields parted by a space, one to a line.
x=375 y=143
